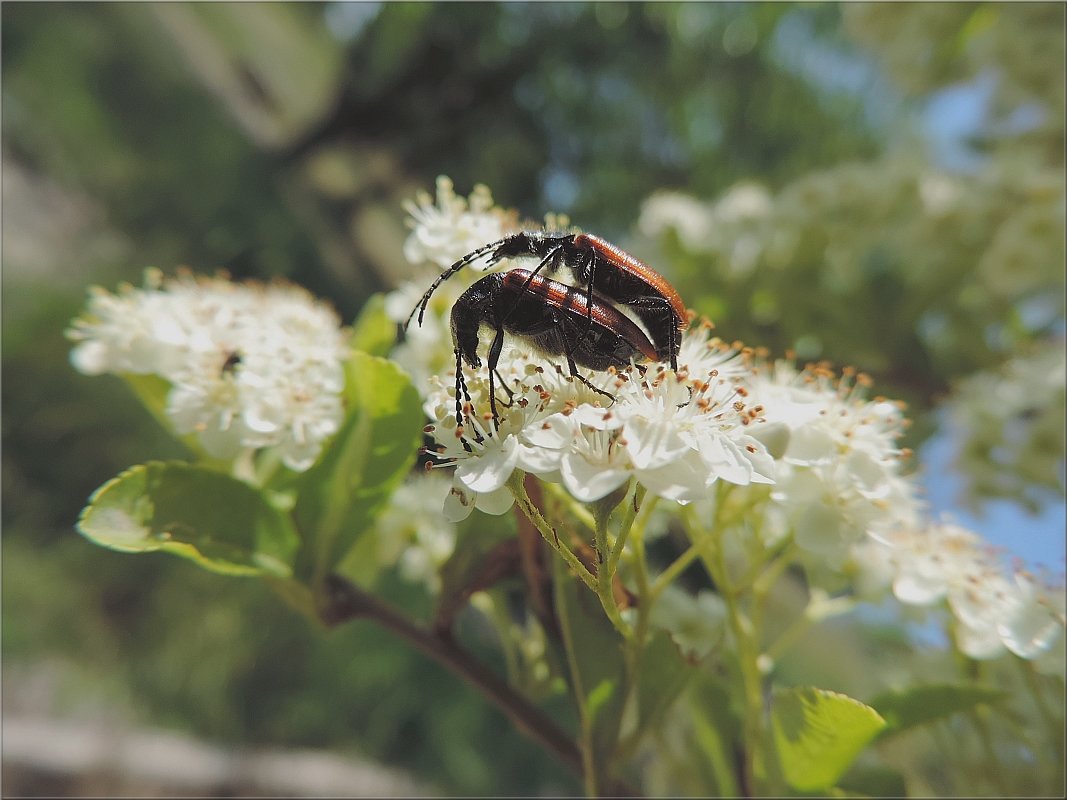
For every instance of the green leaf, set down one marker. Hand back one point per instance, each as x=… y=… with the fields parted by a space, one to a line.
x=217 y=521
x=874 y=781
x=373 y=332
x=597 y=667
x=708 y=765
x=922 y=704
x=818 y=734
x=664 y=673
x=339 y=497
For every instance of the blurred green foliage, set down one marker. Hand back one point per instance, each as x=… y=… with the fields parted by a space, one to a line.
x=157 y=121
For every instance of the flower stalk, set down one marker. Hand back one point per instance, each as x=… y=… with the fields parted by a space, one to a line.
x=518 y=490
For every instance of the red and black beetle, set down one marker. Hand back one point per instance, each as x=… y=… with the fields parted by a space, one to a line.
x=599 y=267
x=555 y=318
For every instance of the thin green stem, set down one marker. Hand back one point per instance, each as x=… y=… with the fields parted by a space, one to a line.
x=626 y=523
x=267 y=464
x=604 y=574
x=765 y=560
x=674 y=569
x=639 y=566
x=760 y=590
x=747 y=639
x=548 y=533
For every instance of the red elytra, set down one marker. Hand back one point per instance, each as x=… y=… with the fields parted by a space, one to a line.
x=573 y=304
x=640 y=270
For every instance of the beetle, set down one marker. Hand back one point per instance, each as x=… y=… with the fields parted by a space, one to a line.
x=555 y=318
x=598 y=266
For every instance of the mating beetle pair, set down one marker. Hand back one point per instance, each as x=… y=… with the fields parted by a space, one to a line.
x=583 y=322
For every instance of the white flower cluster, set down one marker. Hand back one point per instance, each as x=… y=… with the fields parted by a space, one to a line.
x=993 y=612
x=735 y=227
x=249 y=366
x=842 y=494
x=1008 y=222
x=677 y=433
x=830 y=456
x=1011 y=425
x=840 y=469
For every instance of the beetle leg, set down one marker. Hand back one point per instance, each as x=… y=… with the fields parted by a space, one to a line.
x=576 y=374
x=504 y=386
x=491 y=362
x=461 y=388
x=566 y=348
x=461 y=395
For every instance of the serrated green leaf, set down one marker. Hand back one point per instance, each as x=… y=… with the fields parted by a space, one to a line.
x=922 y=704
x=339 y=497
x=818 y=734
x=217 y=521
x=373 y=332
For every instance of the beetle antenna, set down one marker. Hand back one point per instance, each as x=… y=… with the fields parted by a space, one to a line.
x=471 y=257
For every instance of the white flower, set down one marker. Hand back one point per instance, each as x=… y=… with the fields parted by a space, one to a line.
x=461 y=501
x=744 y=201
x=840 y=473
x=445 y=230
x=1036 y=618
x=695 y=624
x=993 y=611
x=735 y=227
x=249 y=366
x=685 y=214
x=586 y=456
x=938 y=193
x=683 y=435
x=137 y=330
